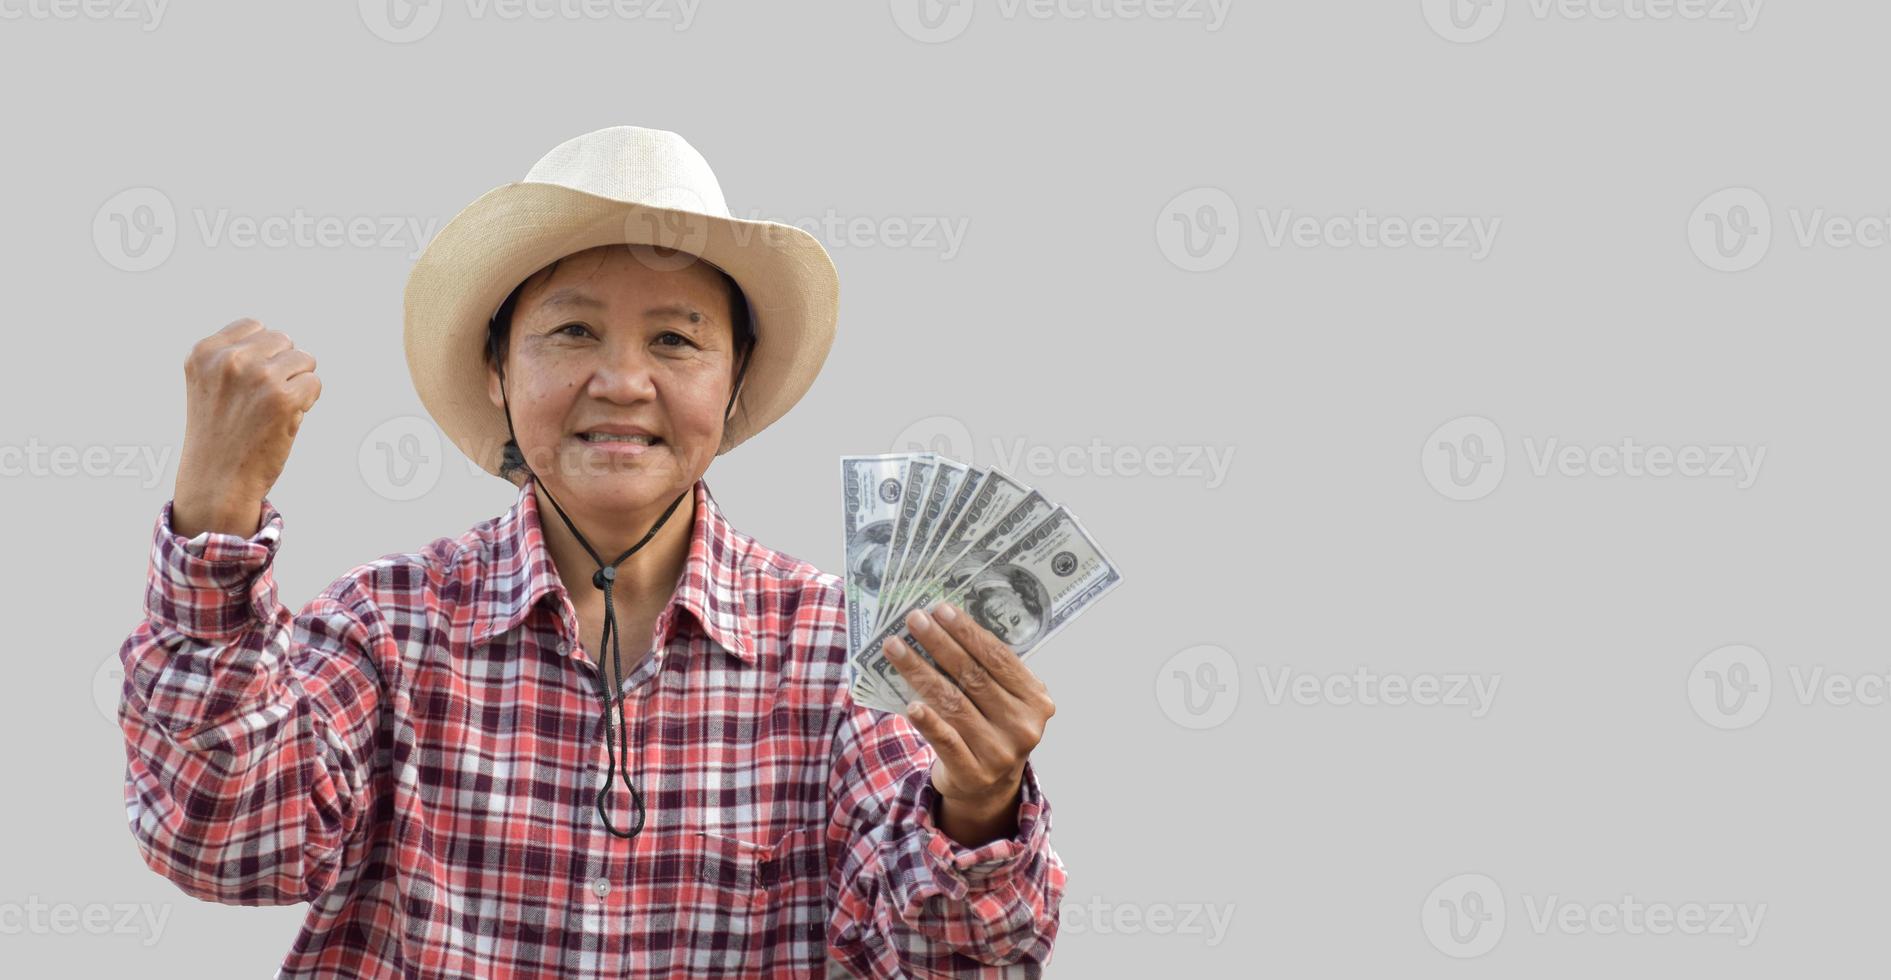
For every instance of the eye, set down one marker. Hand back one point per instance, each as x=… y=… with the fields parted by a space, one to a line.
x=671 y=333
x=580 y=326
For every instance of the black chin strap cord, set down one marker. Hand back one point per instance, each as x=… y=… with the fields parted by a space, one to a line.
x=604 y=578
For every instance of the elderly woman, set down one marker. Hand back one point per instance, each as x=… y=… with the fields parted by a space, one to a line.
x=449 y=753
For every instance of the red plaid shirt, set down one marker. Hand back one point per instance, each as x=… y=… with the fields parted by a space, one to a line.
x=417 y=756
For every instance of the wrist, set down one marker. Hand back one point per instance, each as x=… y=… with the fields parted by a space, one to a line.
x=976 y=820
x=240 y=516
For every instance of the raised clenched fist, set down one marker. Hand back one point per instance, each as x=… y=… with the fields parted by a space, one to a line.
x=248 y=388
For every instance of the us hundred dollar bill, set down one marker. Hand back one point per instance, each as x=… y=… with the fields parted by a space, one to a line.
x=918 y=478
x=871 y=488
x=995 y=499
x=946 y=477
x=1024 y=595
x=998 y=535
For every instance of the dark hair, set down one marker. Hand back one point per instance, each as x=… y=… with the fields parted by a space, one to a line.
x=499 y=335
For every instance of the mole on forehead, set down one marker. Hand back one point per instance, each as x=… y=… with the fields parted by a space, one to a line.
x=573 y=297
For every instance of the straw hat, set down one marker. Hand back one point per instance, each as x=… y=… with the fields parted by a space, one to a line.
x=624 y=185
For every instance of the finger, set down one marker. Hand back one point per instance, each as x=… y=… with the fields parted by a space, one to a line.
x=985 y=691
x=998 y=659
x=291 y=361
x=944 y=739
x=304 y=389
x=938 y=692
x=927 y=682
x=239 y=328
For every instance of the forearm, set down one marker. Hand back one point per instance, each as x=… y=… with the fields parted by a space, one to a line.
x=247 y=730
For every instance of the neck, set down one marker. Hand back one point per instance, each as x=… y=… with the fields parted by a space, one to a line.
x=645 y=579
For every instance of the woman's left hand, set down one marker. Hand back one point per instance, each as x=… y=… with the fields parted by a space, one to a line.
x=983 y=728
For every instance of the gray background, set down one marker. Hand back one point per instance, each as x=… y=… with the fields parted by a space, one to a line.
x=1072 y=150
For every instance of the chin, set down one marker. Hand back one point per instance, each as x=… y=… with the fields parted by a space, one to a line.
x=620 y=491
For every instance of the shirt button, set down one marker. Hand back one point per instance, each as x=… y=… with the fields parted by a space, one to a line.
x=602 y=886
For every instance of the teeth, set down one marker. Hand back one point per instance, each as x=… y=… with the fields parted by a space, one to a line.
x=612 y=437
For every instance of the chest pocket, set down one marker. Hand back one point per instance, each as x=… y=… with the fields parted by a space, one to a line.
x=754 y=903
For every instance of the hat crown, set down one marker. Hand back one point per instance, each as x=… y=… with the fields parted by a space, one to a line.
x=652 y=167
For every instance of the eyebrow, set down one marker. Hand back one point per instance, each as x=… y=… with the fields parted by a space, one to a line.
x=571 y=296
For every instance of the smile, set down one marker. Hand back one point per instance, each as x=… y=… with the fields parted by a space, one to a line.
x=616 y=439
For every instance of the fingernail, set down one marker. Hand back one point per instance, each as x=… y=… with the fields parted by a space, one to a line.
x=944 y=611
x=919 y=619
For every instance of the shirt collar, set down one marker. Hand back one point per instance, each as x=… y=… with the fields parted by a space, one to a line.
x=519 y=571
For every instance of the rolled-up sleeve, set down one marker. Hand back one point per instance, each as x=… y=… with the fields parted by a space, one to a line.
x=908 y=899
x=249 y=733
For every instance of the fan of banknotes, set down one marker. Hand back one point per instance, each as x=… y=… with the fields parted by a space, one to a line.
x=920 y=527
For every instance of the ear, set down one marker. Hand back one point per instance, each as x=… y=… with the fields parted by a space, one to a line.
x=493 y=393
x=735 y=397
x=741 y=381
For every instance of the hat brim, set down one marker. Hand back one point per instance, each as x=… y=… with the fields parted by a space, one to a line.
x=514 y=230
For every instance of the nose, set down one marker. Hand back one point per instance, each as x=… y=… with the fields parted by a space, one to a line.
x=625 y=373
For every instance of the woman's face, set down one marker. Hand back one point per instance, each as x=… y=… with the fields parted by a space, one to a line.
x=630 y=341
